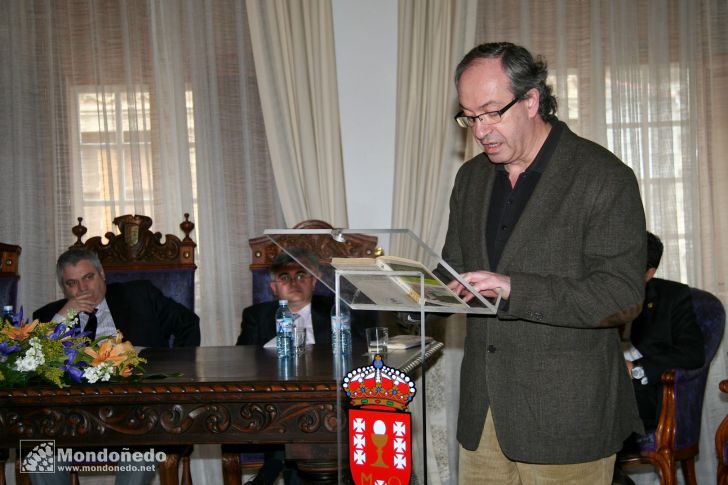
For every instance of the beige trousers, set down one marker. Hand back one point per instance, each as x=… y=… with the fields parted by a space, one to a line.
x=488 y=465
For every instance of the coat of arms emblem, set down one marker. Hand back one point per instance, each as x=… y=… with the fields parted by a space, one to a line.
x=380 y=431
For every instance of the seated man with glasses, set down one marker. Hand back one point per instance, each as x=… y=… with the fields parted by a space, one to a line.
x=291 y=281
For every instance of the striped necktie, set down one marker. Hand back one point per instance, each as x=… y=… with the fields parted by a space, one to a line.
x=91 y=324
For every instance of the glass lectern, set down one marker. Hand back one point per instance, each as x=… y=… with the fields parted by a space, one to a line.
x=402 y=274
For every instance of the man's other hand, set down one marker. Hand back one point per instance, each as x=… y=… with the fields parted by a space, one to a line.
x=485 y=282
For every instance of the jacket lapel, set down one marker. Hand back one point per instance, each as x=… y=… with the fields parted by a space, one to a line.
x=481 y=186
x=119 y=309
x=540 y=208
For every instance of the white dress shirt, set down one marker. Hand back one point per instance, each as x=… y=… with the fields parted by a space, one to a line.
x=105 y=323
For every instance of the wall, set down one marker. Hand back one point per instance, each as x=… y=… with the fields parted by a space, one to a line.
x=365 y=34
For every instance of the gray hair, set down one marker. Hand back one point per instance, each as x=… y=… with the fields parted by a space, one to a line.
x=74 y=256
x=524 y=72
x=304 y=257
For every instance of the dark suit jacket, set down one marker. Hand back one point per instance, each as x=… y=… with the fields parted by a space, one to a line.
x=144 y=315
x=668 y=337
x=549 y=365
x=258 y=325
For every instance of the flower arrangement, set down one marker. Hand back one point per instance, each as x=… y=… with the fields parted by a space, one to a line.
x=61 y=354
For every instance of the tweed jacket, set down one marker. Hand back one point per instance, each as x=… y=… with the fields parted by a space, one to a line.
x=144 y=315
x=549 y=365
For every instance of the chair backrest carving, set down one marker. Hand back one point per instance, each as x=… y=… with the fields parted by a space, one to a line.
x=138 y=253
x=9 y=275
x=264 y=251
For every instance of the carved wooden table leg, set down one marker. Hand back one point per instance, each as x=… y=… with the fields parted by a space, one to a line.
x=4 y=455
x=21 y=478
x=318 y=463
x=186 y=472
x=321 y=472
x=169 y=470
x=231 y=473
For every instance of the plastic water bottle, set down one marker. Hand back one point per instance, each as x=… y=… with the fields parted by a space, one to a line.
x=341 y=330
x=284 y=329
x=8 y=313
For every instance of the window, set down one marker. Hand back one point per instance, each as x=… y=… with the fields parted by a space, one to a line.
x=636 y=131
x=112 y=153
x=648 y=137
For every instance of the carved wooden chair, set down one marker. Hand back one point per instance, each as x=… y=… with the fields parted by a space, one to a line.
x=9 y=275
x=678 y=429
x=263 y=252
x=721 y=443
x=136 y=253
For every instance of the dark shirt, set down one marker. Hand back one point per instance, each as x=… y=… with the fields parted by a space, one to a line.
x=507 y=203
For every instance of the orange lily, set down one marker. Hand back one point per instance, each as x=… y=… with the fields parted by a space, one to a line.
x=20 y=333
x=126 y=371
x=110 y=351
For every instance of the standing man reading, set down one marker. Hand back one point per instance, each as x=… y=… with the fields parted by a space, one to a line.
x=556 y=223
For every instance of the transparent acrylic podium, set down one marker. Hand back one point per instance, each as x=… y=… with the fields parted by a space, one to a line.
x=382 y=270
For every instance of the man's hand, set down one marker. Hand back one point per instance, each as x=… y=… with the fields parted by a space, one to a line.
x=83 y=301
x=630 y=365
x=485 y=282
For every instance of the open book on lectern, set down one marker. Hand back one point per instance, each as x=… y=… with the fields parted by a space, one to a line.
x=384 y=289
x=384 y=283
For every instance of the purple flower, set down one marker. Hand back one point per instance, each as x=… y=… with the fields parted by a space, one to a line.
x=75 y=373
x=18 y=318
x=58 y=332
x=75 y=331
x=7 y=349
x=71 y=353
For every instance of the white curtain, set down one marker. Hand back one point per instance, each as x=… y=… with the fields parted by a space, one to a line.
x=112 y=107
x=293 y=43
x=433 y=36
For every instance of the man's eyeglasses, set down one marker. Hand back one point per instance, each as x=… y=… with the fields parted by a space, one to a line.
x=286 y=278
x=489 y=118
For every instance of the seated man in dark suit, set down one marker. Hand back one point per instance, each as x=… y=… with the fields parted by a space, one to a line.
x=290 y=281
x=664 y=336
x=143 y=314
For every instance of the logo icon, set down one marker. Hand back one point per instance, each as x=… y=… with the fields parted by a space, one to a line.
x=380 y=432
x=39 y=456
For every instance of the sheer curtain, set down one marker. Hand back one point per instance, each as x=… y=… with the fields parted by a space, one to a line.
x=148 y=107
x=112 y=107
x=433 y=36
x=293 y=43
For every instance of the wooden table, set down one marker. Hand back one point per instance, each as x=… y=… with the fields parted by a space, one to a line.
x=226 y=395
